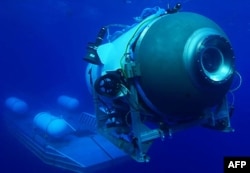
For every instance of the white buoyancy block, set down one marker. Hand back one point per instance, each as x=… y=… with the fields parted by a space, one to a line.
x=16 y=105
x=54 y=126
x=67 y=102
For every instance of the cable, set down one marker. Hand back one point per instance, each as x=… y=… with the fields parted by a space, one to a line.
x=127 y=52
x=111 y=37
x=233 y=98
x=240 y=82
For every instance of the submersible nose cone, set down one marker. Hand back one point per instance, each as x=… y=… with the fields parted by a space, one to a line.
x=186 y=63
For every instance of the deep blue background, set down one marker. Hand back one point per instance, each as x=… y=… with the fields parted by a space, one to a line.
x=42 y=43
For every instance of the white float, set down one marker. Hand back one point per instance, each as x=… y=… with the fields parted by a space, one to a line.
x=16 y=105
x=55 y=127
x=67 y=102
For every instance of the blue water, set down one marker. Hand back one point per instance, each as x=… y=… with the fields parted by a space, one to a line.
x=42 y=44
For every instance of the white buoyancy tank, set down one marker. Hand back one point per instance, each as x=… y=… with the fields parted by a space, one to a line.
x=16 y=105
x=54 y=126
x=67 y=102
